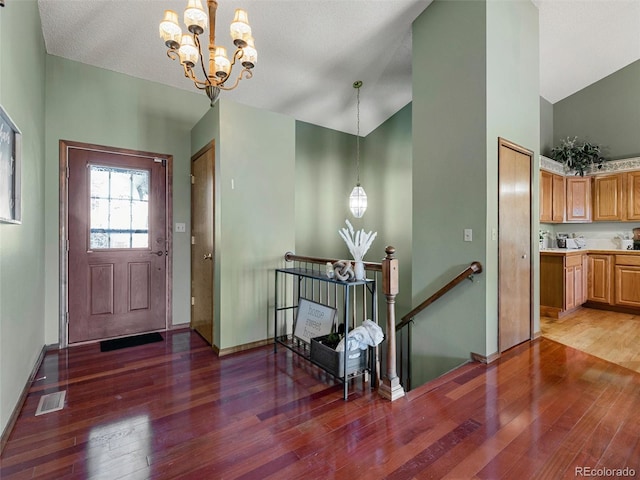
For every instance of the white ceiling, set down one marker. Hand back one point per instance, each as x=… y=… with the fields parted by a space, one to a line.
x=583 y=41
x=311 y=51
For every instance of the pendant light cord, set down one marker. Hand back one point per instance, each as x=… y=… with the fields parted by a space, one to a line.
x=357 y=86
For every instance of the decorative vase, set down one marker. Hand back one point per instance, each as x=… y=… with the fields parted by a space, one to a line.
x=358 y=269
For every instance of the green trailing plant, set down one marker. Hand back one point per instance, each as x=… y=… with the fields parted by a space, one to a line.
x=332 y=340
x=578 y=156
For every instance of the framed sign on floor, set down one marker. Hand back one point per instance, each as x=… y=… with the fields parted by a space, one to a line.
x=313 y=320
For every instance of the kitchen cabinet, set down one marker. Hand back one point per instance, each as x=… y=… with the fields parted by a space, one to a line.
x=633 y=195
x=599 y=268
x=562 y=283
x=578 y=199
x=608 y=198
x=552 y=197
x=616 y=197
x=627 y=280
x=604 y=279
x=575 y=287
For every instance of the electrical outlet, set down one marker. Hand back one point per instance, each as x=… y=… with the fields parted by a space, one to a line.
x=181 y=227
x=468 y=235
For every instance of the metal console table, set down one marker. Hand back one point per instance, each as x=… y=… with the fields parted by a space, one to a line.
x=296 y=283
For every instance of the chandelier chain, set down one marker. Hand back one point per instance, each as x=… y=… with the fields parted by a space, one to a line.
x=358 y=135
x=358 y=197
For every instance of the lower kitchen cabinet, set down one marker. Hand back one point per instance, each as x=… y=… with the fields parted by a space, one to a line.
x=562 y=283
x=575 y=284
x=599 y=278
x=627 y=280
x=605 y=279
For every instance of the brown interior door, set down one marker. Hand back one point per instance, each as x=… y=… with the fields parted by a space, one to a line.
x=117 y=244
x=514 y=245
x=202 y=243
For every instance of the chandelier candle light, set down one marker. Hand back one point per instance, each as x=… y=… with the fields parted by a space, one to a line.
x=358 y=198
x=188 y=49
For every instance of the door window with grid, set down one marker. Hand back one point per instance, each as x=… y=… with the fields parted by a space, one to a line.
x=119 y=208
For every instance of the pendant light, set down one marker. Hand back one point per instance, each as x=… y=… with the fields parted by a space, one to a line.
x=358 y=198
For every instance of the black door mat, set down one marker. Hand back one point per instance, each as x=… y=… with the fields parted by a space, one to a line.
x=118 y=343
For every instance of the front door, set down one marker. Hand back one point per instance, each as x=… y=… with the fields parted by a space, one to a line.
x=202 y=252
x=514 y=245
x=117 y=243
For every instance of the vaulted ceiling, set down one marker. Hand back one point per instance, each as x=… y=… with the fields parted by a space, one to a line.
x=311 y=51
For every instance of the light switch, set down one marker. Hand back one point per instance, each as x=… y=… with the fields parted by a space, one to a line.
x=181 y=227
x=468 y=235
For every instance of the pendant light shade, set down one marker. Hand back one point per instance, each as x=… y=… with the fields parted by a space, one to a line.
x=358 y=198
x=358 y=201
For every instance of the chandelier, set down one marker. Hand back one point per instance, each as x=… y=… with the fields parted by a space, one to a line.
x=358 y=198
x=187 y=46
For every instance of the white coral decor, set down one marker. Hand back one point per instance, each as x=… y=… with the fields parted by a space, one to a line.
x=358 y=242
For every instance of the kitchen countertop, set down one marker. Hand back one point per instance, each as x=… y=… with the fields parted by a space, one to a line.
x=573 y=251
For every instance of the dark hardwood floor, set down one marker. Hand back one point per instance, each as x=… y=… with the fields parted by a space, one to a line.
x=174 y=410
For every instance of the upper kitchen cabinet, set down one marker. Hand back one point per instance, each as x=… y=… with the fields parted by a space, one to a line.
x=633 y=196
x=578 y=200
x=608 y=203
x=613 y=196
x=616 y=197
x=552 y=197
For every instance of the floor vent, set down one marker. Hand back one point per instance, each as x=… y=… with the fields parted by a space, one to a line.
x=51 y=402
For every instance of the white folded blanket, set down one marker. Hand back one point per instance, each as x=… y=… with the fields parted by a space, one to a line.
x=369 y=334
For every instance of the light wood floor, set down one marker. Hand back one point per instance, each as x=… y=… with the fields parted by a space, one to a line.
x=173 y=410
x=611 y=336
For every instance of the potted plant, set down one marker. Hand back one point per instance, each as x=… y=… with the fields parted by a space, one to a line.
x=578 y=156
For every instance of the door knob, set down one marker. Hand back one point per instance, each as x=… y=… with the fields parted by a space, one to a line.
x=158 y=253
x=208 y=256
x=524 y=256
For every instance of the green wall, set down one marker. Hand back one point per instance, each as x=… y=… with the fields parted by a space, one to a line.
x=22 y=265
x=606 y=112
x=325 y=176
x=513 y=113
x=449 y=182
x=387 y=170
x=255 y=200
x=92 y=105
x=462 y=102
x=546 y=127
